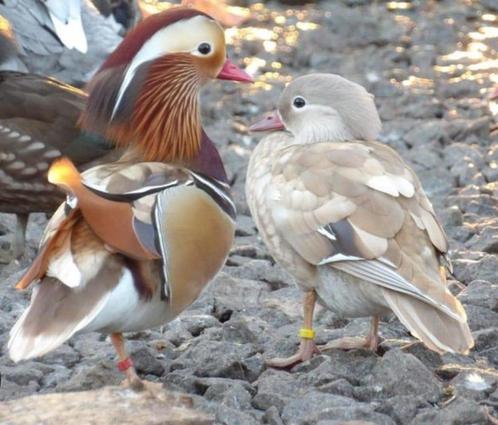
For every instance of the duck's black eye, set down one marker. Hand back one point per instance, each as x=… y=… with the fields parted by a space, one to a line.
x=299 y=102
x=204 y=48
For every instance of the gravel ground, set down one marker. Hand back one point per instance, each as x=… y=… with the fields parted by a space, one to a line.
x=430 y=65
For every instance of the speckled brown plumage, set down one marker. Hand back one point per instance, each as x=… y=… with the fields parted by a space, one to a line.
x=38 y=124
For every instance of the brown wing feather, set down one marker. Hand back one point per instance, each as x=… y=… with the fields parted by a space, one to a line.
x=53 y=242
x=358 y=192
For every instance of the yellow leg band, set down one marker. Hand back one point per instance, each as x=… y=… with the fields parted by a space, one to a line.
x=307 y=333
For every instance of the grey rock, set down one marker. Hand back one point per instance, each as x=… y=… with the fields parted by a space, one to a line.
x=10 y=390
x=451 y=216
x=466 y=172
x=485 y=268
x=462 y=130
x=428 y=132
x=64 y=355
x=145 y=360
x=404 y=408
x=461 y=411
x=486 y=240
x=195 y=324
x=482 y=294
x=262 y=270
x=315 y=406
x=339 y=386
x=490 y=4
x=229 y=416
x=21 y=374
x=245 y=226
x=237 y=397
x=474 y=385
x=462 y=88
x=216 y=359
x=352 y=366
x=272 y=417
x=90 y=377
x=401 y=374
x=276 y=388
x=59 y=374
x=480 y=317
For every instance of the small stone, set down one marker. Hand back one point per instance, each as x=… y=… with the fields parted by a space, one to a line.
x=451 y=216
x=222 y=359
x=195 y=324
x=401 y=374
x=474 y=385
x=145 y=360
x=486 y=240
x=237 y=397
x=315 y=406
x=272 y=417
x=92 y=377
x=275 y=388
x=486 y=268
x=480 y=293
x=229 y=416
x=461 y=410
x=22 y=374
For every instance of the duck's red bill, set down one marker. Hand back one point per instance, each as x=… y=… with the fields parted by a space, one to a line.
x=270 y=122
x=232 y=72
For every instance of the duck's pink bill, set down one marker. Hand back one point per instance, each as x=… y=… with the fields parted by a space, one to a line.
x=232 y=72
x=270 y=122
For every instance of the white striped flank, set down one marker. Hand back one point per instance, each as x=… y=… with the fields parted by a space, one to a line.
x=160 y=232
x=375 y=272
x=219 y=188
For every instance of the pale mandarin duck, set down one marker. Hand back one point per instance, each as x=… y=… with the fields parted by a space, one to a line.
x=38 y=123
x=348 y=218
x=137 y=240
x=66 y=39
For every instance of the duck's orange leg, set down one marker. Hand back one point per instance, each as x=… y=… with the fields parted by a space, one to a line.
x=125 y=364
x=307 y=348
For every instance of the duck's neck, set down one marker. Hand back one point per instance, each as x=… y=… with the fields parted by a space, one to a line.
x=208 y=160
x=332 y=130
x=165 y=124
x=159 y=118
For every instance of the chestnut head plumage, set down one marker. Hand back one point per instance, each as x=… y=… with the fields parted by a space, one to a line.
x=146 y=93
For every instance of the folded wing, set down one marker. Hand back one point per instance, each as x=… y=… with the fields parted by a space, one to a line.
x=357 y=207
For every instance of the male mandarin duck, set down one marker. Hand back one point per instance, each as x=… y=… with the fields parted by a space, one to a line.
x=38 y=123
x=137 y=240
x=348 y=218
x=66 y=39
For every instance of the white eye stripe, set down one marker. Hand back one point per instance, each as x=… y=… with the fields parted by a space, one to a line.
x=164 y=41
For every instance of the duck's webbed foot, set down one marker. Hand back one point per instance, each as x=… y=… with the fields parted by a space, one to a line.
x=306 y=351
x=370 y=342
x=308 y=347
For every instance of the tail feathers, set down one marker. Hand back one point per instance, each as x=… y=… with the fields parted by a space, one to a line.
x=43 y=327
x=62 y=172
x=436 y=329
